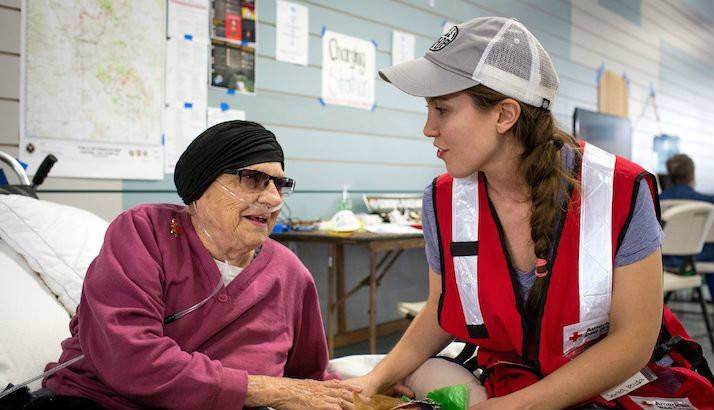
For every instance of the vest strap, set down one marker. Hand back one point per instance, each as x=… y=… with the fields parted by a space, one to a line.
x=464 y=241
x=595 y=250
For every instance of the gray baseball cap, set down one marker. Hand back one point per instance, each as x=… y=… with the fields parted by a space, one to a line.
x=498 y=52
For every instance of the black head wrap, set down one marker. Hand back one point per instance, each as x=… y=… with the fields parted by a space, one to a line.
x=228 y=145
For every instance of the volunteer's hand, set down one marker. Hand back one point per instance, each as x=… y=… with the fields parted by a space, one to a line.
x=370 y=387
x=287 y=394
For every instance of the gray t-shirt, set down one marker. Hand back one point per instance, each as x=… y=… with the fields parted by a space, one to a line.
x=644 y=235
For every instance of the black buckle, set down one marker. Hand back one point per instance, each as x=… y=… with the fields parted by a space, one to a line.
x=464 y=248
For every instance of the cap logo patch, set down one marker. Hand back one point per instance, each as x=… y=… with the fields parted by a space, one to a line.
x=445 y=40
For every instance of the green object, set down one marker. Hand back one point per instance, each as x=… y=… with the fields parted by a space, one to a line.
x=451 y=398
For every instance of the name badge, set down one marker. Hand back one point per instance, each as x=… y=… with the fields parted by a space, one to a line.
x=653 y=403
x=640 y=378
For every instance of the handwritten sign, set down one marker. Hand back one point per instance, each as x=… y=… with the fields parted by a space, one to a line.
x=348 y=70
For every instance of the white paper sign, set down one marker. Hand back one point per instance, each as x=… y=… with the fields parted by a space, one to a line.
x=188 y=17
x=348 y=70
x=402 y=47
x=291 y=33
x=183 y=124
x=186 y=71
x=219 y=115
x=186 y=77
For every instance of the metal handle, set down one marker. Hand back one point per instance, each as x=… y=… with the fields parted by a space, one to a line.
x=15 y=165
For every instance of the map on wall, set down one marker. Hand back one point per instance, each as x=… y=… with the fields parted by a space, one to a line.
x=93 y=87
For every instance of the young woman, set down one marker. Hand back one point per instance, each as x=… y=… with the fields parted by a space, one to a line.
x=542 y=251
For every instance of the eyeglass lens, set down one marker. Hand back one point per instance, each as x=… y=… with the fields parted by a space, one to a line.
x=258 y=180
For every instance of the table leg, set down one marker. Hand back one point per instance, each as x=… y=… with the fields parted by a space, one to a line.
x=372 y=302
x=331 y=263
x=341 y=311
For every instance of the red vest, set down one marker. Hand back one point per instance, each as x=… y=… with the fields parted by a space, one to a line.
x=480 y=302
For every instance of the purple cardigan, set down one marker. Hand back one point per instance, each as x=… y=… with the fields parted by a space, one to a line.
x=265 y=322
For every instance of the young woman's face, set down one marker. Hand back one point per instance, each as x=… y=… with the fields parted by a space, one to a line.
x=466 y=138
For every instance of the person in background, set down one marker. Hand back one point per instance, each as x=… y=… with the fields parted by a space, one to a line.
x=681 y=174
x=194 y=307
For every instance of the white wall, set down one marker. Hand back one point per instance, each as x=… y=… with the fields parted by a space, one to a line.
x=671 y=49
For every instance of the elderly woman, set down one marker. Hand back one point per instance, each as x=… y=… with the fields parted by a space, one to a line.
x=193 y=307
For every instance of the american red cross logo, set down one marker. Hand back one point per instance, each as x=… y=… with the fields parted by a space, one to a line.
x=575 y=336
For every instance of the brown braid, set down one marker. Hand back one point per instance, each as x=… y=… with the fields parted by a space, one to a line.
x=543 y=170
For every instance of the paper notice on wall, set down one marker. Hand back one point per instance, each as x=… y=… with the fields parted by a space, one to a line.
x=187 y=53
x=188 y=17
x=222 y=114
x=183 y=124
x=291 y=33
x=402 y=47
x=186 y=71
x=348 y=70
x=186 y=77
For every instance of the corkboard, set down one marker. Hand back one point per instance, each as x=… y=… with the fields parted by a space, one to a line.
x=612 y=94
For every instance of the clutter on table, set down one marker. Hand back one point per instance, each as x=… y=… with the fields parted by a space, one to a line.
x=395 y=214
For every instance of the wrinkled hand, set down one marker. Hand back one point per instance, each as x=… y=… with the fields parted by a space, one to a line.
x=312 y=394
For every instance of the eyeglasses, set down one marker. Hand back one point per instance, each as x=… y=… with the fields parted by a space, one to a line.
x=258 y=181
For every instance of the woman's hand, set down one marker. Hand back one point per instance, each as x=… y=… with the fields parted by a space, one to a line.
x=370 y=386
x=287 y=394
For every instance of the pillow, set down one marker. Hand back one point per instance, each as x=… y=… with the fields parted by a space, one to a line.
x=33 y=321
x=348 y=367
x=57 y=241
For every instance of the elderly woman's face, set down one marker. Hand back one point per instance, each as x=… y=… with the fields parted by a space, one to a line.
x=239 y=212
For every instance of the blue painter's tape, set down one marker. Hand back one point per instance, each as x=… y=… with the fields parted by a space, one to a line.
x=188 y=105
x=188 y=37
x=23 y=164
x=322 y=32
x=374 y=107
x=231 y=91
x=375 y=43
x=321 y=101
x=163 y=139
x=224 y=106
x=598 y=73
x=3 y=178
